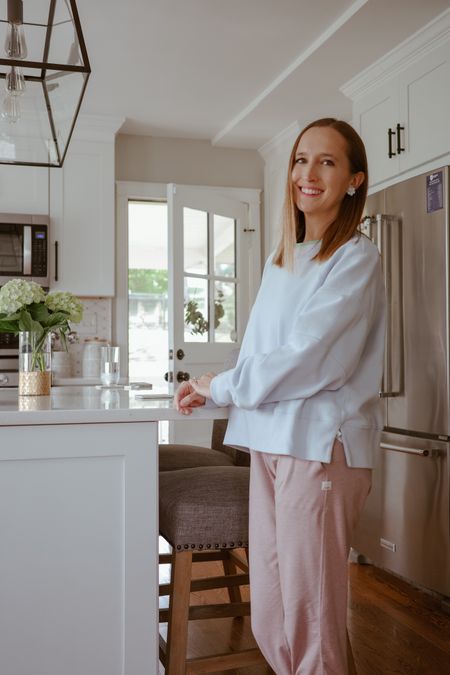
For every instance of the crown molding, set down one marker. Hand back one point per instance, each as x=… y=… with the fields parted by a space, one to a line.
x=414 y=48
x=97 y=127
x=277 y=144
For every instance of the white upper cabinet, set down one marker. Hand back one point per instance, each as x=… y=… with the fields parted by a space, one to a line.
x=401 y=104
x=82 y=203
x=375 y=119
x=425 y=108
x=23 y=189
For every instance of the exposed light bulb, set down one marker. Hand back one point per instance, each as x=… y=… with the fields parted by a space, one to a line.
x=15 y=82
x=15 y=48
x=15 y=44
x=74 y=53
x=11 y=109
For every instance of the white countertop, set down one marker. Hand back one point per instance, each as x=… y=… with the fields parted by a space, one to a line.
x=90 y=405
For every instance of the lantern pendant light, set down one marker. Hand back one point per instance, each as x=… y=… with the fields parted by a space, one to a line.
x=44 y=69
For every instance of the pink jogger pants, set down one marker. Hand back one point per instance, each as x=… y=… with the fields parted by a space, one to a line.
x=302 y=514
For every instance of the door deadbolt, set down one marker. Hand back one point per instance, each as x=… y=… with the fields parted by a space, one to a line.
x=180 y=354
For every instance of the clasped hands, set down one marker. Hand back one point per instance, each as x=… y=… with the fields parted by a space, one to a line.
x=193 y=393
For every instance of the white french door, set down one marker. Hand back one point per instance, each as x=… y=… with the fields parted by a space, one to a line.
x=213 y=267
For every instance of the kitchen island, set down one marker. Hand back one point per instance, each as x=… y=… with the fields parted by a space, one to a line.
x=79 y=531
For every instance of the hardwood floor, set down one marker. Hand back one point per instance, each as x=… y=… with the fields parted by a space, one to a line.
x=394 y=628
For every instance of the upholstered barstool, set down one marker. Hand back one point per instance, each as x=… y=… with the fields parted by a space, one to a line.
x=174 y=456
x=203 y=514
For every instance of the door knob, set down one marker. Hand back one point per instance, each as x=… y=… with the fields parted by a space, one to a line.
x=168 y=376
x=182 y=377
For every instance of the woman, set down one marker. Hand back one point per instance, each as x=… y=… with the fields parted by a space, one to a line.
x=304 y=398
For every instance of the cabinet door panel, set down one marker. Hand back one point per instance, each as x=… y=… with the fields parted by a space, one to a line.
x=24 y=189
x=425 y=107
x=82 y=211
x=374 y=117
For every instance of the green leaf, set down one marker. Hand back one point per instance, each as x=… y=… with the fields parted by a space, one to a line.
x=62 y=334
x=38 y=311
x=27 y=323
x=8 y=326
x=10 y=317
x=58 y=319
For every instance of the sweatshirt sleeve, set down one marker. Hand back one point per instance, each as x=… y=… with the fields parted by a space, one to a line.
x=326 y=342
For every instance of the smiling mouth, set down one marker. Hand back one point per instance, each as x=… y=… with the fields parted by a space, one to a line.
x=310 y=192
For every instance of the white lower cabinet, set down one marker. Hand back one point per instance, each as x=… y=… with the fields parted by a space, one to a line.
x=79 y=532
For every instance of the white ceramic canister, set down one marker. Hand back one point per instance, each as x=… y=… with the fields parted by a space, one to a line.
x=91 y=356
x=61 y=366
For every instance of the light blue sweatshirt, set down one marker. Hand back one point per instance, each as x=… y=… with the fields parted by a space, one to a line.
x=311 y=359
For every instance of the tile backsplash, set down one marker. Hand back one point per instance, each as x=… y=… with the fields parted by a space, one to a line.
x=97 y=322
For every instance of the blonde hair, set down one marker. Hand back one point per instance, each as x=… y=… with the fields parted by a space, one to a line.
x=344 y=227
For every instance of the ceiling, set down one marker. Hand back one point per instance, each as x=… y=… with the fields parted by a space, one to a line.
x=235 y=72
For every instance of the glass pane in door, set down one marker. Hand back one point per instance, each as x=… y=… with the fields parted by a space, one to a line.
x=196 y=326
x=225 y=312
x=224 y=246
x=148 y=338
x=195 y=241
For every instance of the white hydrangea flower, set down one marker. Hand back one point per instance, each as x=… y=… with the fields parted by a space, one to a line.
x=62 y=301
x=18 y=293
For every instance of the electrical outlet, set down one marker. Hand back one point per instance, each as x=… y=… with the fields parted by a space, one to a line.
x=389 y=545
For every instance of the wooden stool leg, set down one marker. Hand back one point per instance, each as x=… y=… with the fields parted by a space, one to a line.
x=229 y=567
x=177 y=630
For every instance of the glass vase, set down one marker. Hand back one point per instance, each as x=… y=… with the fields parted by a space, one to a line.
x=35 y=361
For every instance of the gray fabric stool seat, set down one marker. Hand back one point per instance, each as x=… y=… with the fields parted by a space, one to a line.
x=203 y=514
x=204 y=507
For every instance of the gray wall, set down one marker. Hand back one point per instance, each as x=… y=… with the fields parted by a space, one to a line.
x=191 y=162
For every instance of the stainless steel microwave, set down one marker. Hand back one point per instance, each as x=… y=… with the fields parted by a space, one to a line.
x=24 y=248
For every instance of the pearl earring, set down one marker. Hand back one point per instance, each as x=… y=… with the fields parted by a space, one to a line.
x=351 y=191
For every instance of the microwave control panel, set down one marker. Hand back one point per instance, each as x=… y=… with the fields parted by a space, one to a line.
x=39 y=248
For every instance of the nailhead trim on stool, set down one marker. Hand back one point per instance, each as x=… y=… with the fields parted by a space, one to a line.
x=204 y=507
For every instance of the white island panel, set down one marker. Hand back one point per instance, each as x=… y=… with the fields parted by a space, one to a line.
x=78 y=570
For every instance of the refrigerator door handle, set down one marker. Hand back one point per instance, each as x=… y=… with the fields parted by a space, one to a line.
x=422 y=452
x=384 y=243
x=385 y=232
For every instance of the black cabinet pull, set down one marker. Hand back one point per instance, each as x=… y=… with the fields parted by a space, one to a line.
x=399 y=139
x=56 y=261
x=391 y=133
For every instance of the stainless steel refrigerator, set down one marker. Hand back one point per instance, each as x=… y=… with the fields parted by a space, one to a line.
x=405 y=527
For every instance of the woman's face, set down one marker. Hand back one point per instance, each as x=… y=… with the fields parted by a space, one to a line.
x=321 y=174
